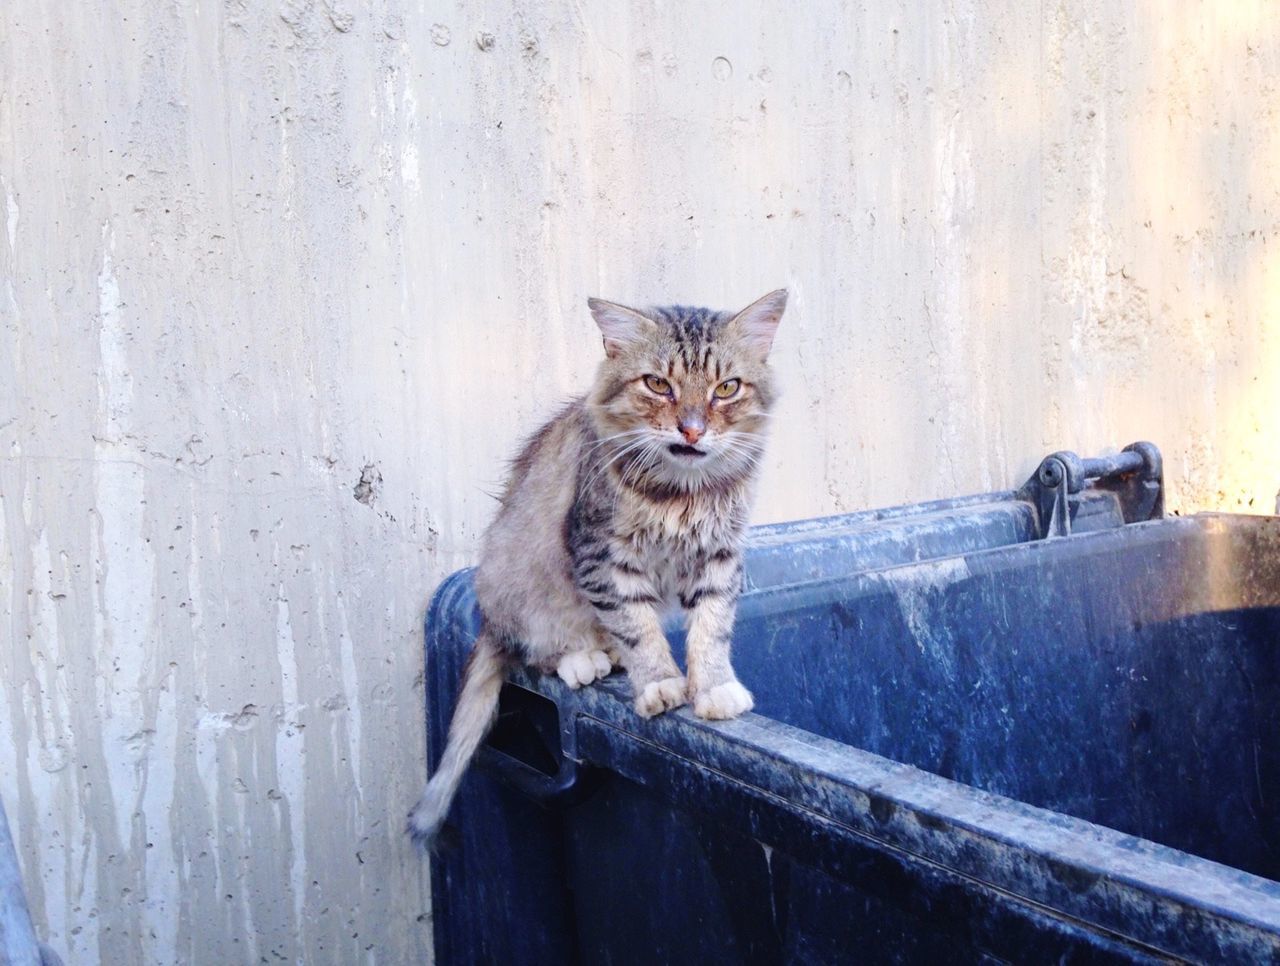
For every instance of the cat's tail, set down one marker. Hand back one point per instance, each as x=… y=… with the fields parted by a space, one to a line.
x=472 y=717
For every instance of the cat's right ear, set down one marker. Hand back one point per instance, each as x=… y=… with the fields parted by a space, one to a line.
x=619 y=325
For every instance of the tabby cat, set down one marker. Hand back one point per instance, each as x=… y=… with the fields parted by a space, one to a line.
x=634 y=497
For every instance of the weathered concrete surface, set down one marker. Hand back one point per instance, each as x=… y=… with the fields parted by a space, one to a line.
x=284 y=282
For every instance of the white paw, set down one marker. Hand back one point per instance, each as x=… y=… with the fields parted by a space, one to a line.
x=602 y=662
x=726 y=700
x=660 y=696
x=582 y=667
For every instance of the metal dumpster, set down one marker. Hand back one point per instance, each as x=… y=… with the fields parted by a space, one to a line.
x=1028 y=726
x=18 y=944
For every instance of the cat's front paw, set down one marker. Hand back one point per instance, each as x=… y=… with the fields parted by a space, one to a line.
x=659 y=696
x=724 y=701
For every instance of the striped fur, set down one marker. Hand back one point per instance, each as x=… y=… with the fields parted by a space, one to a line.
x=631 y=500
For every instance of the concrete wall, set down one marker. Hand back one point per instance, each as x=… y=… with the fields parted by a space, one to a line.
x=283 y=284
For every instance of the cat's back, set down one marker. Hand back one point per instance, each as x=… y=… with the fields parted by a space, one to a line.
x=524 y=545
x=539 y=468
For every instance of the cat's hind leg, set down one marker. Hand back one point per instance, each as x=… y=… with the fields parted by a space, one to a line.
x=570 y=645
x=580 y=667
x=594 y=660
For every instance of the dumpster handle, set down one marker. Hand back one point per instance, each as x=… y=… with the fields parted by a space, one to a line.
x=555 y=777
x=1138 y=471
x=1065 y=465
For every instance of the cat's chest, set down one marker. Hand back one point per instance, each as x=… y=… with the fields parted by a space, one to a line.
x=673 y=538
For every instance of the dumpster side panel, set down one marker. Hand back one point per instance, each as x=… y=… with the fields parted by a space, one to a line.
x=498 y=873
x=703 y=842
x=1106 y=676
x=18 y=945
x=1094 y=677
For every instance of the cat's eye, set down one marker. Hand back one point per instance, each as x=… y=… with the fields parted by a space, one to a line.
x=728 y=389
x=657 y=384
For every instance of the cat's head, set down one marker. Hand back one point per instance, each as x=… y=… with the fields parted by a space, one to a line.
x=684 y=393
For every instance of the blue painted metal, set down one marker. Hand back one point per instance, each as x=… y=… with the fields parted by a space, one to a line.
x=972 y=739
x=18 y=945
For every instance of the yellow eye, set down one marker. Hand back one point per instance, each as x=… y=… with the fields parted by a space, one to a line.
x=657 y=384
x=728 y=389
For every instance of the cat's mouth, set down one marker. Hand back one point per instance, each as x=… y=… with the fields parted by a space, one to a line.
x=680 y=449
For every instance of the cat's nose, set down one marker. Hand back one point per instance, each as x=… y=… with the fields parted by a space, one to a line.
x=691 y=429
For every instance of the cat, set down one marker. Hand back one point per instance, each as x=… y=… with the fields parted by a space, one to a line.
x=634 y=497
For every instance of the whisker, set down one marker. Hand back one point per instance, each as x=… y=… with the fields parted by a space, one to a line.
x=641 y=462
x=622 y=451
x=629 y=432
x=602 y=468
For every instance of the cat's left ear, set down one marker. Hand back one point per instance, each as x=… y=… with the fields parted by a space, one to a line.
x=757 y=323
x=619 y=325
